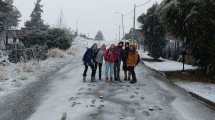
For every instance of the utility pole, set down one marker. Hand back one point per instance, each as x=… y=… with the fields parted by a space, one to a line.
x=122 y=23
x=123 y=27
x=60 y=20
x=119 y=33
x=134 y=24
x=77 y=27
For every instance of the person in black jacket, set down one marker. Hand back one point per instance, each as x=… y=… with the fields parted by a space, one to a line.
x=89 y=60
x=124 y=59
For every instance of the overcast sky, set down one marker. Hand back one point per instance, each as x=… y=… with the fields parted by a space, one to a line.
x=89 y=15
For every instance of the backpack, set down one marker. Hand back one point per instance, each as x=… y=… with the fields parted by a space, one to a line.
x=88 y=56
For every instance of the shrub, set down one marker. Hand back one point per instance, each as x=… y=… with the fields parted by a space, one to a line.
x=25 y=67
x=71 y=51
x=3 y=73
x=56 y=53
x=58 y=38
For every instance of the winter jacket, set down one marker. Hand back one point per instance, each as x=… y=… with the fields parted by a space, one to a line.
x=110 y=56
x=119 y=52
x=89 y=56
x=133 y=59
x=95 y=52
x=125 y=55
x=100 y=56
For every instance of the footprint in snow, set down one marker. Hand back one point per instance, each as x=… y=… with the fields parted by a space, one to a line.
x=93 y=101
x=136 y=92
x=123 y=116
x=94 y=115
x=92 y=105
x=158 y=108
x=137 y=104
x=138 y=88
x=80 y=89
x=132 y=96
x=101 y=106
x=132 y=110
x=146 y=113
x=89 y=89
x=142 y=98
x=74 y=104
x=79 y=93
x=102 y=101
x=73 y=98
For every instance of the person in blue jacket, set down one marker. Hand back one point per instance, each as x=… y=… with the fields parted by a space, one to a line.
x=89 y=60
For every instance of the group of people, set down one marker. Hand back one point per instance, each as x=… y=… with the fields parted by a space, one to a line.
x=113 y=57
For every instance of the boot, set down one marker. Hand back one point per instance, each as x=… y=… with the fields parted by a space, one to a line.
x=126 y=77
x=111 y=79
x=93 y=79
x=106 y=79
x=133 y=81
x=129 y=76
x=84 y=78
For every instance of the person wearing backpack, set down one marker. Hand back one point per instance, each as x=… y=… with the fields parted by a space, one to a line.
x=89 y=60
x=132 y=61
x=99 y=59
x=110 y=58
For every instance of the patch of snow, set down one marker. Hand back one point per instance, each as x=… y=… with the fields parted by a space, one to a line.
x=166 y=65
x=205 y=90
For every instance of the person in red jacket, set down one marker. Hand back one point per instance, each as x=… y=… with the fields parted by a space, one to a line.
x=110 y=58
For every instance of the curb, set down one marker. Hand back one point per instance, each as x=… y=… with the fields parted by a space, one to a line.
x=203 y=100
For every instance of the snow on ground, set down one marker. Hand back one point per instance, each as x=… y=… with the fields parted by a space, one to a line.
x=166 y=65
x=205 y=90
x=16 y=76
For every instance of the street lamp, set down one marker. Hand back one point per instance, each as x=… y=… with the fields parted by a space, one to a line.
x=137 y=6
x=122 y=20
x=134 y=20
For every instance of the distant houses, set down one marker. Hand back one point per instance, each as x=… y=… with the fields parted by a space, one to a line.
x=173 y=50
x=136 y=35
x=10 y=37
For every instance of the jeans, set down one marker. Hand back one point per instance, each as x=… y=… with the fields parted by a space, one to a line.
x=109 y=70
x=117 y=70
x=100 y=70
x=92 y=66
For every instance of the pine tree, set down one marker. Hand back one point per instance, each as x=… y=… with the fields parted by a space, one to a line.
x=99 y=36
x=154 y=32
x=193 y=21
x=36 y=22
x=9 y=15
